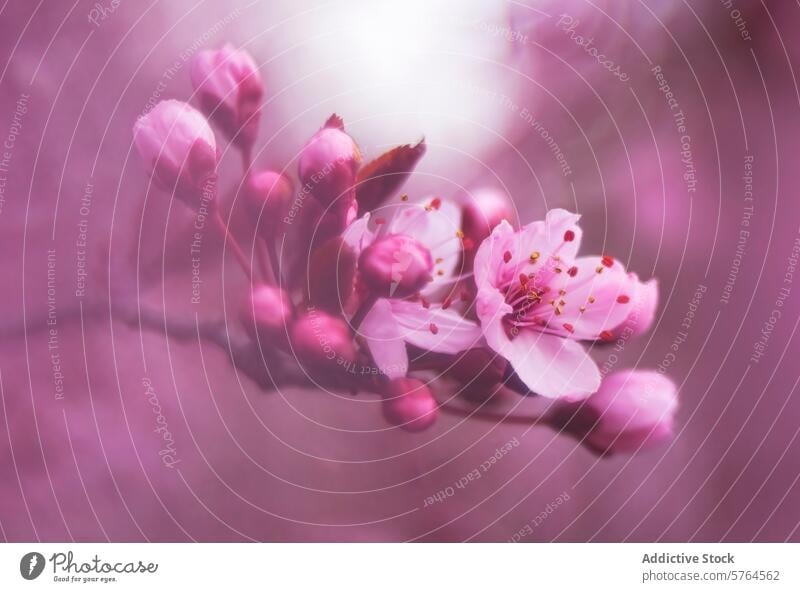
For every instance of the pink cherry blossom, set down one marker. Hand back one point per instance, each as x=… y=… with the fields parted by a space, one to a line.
x=429 y=321
x=485 y=208
x=391 y=324
x=436 y=224
x=537 y=299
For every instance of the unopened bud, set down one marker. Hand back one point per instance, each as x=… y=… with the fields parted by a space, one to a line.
x=643 y=311
x=396 y=266
x=485 y=208
x=268 y=199
x=409 y=404
x=230 y=90
x=178 y=148
x=329 y=162
x=322 y=341
x=268 y=314
x=633 y=409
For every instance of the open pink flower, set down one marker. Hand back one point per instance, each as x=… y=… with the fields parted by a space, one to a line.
x=428 y=321
x=537 y=299
x=391 y=324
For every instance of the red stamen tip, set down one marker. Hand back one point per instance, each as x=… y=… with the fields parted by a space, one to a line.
x=507 y=256
x=572 y=271
x=623 y=299
x=607 y=260
x=434 y=329
x=606 y=336
x=569 y=328
x=569 y=236
x=436 y=203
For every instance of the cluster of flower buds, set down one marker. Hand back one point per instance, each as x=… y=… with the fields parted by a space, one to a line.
x=421 y=302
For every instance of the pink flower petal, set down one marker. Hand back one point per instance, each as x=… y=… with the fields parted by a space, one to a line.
x=490 y=253
x=437 y=229
x=435 y=329
x=358 y=235
x=384 y=337
x=549 y=365
x=557 y=236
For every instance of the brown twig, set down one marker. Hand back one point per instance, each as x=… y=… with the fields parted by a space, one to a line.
x=230 y=239
x=491 y=416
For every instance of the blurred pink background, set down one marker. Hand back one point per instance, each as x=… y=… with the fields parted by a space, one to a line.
x=506 y=97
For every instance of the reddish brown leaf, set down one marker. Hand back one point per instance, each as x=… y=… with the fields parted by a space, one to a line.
x=381 y=177
x=335 y=121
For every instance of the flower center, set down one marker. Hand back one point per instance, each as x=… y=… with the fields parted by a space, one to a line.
x=539 y=289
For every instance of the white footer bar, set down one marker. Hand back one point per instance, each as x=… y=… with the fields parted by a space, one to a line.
x=398 y=567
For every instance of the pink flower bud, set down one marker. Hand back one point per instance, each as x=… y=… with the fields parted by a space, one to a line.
x=395 y=266
x=632 y=409
x=329 y=162
x=485 y=209
x=322 y=341
x=327 y=222
x=643 y=312
x=268 y=198
x=230 y=90
x=409 y=404
x=268 y=314
x=177 y=146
